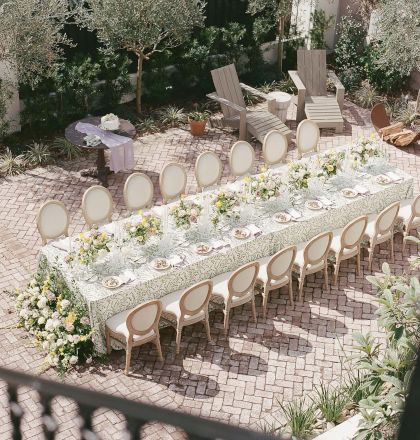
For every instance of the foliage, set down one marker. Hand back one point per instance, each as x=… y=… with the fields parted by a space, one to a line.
x=11 y=165
x=142 y=28
x=172 y=116
x=400 y=110
x=38 y=154
x=4 y=97
x=147 y=125
x=31 y=36
x=366 y=95
x=388 y=365
x=398 y=32
x=284 y=85
x=60 y=325
x=146 y=227
x=330 y=401
x=66 y=149
x=300 y=418
x=320 y=24
x=199 y=115
x=415 y=259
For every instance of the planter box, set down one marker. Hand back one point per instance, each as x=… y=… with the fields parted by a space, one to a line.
x=343 y=431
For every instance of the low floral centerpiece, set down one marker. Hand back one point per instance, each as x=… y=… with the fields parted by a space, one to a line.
x=225 y=204
x=61 y=326
x=298 y=175
x=185 y=212
x=363 y=150
x=262 y=187
x=110 y=122
x=329 y=163
x=148 y=226
x=90 y=246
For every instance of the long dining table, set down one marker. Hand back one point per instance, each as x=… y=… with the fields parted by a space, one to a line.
x=146 y=283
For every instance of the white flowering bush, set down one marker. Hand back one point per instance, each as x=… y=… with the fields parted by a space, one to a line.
x=60 y=325
x=364 y=149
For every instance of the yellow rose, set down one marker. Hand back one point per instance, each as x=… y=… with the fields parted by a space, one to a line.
x=247 y=179
x=219 y=204
x=70 y=318
x=263 y=169
x=330 y=168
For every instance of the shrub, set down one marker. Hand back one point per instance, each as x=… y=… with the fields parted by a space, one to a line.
x=38 y=154
x=172 y=116
x=330 y=401
x=367 y=96
x=11 y=165
x=300 y=418
x=320 y=24
x=66 y=149
x=147 y=125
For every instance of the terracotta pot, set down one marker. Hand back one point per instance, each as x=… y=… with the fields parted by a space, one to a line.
x=197 y=127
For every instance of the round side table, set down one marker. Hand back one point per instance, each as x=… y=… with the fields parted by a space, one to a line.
x=283 y=100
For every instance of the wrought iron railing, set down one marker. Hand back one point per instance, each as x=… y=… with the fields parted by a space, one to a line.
x=137 y=414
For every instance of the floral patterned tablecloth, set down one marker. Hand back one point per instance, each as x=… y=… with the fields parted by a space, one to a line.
x=149 y=284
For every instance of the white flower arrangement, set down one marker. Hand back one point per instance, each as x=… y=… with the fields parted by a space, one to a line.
x=110 y=122
x=146 y=227
x=226 y=204
x=298 y=175
x=327 y=164
x=61 y=327
x=262 y=187
x=90 y=246
x=363 y=150
x=186 y=212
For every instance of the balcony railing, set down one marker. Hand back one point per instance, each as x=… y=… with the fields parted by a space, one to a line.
x=137 y=414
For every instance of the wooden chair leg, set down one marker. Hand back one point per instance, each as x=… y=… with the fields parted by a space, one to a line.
x=371 y=251
x=254 y=310
x=159 y=348
x=127 y=358
x=301 y=283
x=265 y=301
x=178 y=338
x=336 y=271
x=327 y=285
x=392 y=248
x=404 y=242
x=358 y=263
x=226 y=321
x=108 y=341
x=207 y=325
x=291 y=291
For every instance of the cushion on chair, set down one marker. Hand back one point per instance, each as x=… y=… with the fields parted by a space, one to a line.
x=263 y=276
x=170 y=304
x=336 y=245
x=117 y=324
x=299 y=262
x=220 y=290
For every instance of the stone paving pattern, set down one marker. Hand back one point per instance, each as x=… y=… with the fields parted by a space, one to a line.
x=239 y=379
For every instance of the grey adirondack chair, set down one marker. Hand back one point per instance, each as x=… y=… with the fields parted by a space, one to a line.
x=313 y=102
x=235 y=114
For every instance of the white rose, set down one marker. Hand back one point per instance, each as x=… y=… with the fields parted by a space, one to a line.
x=76 y=339
x=65 y=303
x=182 y=213
x=55 y=315
x=49 y=325
x=41 y=320
x=70 y=338
x=56 y=323
x=51 y=337
x=73 y=360
x=45 y=345
x=60 y=342
x=193 y=212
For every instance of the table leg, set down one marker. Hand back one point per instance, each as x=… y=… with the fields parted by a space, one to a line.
x=102 y=169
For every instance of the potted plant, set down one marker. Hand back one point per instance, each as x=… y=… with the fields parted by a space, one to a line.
x=198 y=120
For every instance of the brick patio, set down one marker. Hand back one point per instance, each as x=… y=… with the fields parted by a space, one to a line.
x=238 y=379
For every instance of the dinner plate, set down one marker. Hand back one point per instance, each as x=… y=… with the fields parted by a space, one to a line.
x=111 y=282
x=282 y=217
x=349 y=193
x=241 y=233
x=383 y=180
x=314 y=205
x=203 y=248
x=160 y=264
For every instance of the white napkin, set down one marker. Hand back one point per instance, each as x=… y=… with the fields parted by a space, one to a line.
x=361 y=189
x=325 y=201
x=255 y=230
x=175 y=260
x=219 y=244
x=127 y=276
x=294 y=213
x=394 y=176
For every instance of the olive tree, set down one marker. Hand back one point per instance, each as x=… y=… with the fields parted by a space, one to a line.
x=142 y=27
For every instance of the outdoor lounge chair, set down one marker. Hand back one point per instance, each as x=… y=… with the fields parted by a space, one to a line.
x=229 y=95
x=312 y=100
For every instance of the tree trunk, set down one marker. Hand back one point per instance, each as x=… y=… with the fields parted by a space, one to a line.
x=280 y=45
x=139 y=81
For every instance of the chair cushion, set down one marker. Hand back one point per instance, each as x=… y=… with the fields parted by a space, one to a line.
x=220 y=290
x=117 y=324
x=299 y=261
x=170 y=304
x=336 y=245
x=370 y=230
x=263 y=275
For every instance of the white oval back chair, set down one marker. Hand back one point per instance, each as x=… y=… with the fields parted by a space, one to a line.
x=52 y=220
x=274 y=148
x=409 y=214
x=97 y=205
x=313 y=257
x=138 y=192
x=189 y=307
x=236 y=289
x=307 y=137
x=135 y=327
x=276 y=272
x=172 y=181
x=241 y=158
x=380 y=229
x=346 y=243
x=208 y=169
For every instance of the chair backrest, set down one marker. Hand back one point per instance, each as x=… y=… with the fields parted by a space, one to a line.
x=241 y=158
x=307 y=137
x=274 y=147
x=208 y=169
x=97 y=205
x=52 y=220
x=415 y=207
x=281 y=263
x=172 y=181
x=196 y=298
x=226 y=83
x=386 y=219
x=144 y=318
x=243 y=279
x=353 y=233
x=312 y=70
x=138 y=191
x=379 y=117
x=317 y=248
